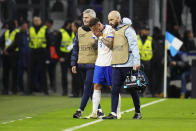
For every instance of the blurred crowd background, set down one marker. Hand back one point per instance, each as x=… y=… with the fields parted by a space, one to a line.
x=48 y=71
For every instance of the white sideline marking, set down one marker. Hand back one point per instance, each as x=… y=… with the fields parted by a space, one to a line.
x=7 y=122
x=93 y=122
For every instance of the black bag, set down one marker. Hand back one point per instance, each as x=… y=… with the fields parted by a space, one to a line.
x=136 y=80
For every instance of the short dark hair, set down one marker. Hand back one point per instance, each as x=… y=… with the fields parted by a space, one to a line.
x=49 y=21
x=24 y=22
x=68 y=21
x=76 y=24
x=93 y=22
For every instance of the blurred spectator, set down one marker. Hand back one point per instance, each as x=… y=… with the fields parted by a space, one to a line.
x=39 y=43
x=2 y=31
x=10 y=59
x=52 y=56
x=77 y=84
x=1 y=52
x=188 y=41
x=192 y=5
x=157 y=60
x=175 y=31
x=49 y=23
x=4 y=28
x=146 y=52
x=65 y=41
x=16 y=22
x=75 y=27
x=180 y=70
x=21 y=42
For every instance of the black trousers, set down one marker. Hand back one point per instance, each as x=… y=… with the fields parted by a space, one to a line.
x=65 y=66
x=21 y=70
x=37 y=68
x=10 y=70
x=51 y=70
x=77 y=84
x=118 y=78
x=148 y=71
x=157 y=78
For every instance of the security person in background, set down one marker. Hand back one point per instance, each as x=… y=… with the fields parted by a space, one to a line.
x=65 y=42
x=22 y=43
x=145 y=50
x=10 y=59
x=38 y=43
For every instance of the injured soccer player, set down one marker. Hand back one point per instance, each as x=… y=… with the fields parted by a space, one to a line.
x=103 y=36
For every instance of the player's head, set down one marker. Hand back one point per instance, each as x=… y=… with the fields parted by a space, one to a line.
x=87 y=15
x=96 y=26
x=114 y=18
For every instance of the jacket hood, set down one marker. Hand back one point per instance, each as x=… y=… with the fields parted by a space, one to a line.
x=126 y=21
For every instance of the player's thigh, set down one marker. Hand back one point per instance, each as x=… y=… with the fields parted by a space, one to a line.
x=98 y=77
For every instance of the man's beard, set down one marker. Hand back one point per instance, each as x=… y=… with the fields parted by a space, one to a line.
x=115 y=24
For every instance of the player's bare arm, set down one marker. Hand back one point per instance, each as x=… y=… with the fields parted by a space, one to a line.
x=95 y=43
x=108 y=42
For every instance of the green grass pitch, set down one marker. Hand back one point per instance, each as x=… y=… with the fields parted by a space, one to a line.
x=54 y=113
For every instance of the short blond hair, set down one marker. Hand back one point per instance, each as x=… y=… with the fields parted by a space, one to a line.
x=115 y=13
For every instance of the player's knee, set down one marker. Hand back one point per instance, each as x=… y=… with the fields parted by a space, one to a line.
x=97 y=87
x=110 y=87
x=115 y=91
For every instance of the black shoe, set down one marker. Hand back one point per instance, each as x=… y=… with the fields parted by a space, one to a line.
x=110 y=116
x=78 y=114
x=100 y=114
x=137 y=116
